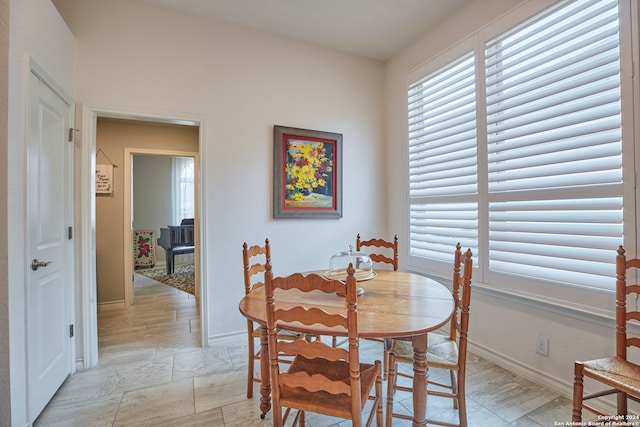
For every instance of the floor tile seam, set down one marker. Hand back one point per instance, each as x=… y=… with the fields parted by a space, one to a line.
x=507 y=422
x=470 y=377
x=63 y=403
x=173 y=367
x=193 y=394
x=137 y=389
x=155 y=353
x=468 y=399
x=551 y=399
x=115 y=416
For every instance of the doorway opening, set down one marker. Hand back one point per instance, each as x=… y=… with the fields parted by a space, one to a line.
x=158 y=211
x=92 y=250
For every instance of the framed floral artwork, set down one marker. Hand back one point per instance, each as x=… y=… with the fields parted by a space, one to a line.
x=307 y=173
x=144 y=248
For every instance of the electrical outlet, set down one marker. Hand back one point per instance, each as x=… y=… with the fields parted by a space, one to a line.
x=542 y=345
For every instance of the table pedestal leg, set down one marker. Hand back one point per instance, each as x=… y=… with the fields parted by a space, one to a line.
x=265 y=374
x=419 y=380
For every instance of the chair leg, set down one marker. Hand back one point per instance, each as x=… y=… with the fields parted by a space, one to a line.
x=461 y=399
x=454 y=388
x=385 y=365
x=251 y=367
x=621 y=403
x=379 y=395
x=578 y=389
x=391 y=383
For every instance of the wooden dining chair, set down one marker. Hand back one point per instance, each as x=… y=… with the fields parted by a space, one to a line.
x=255 y=259
x=321 y=379
x=616 y=374
x=381 y=255
x=387 y=253
x=443 y=351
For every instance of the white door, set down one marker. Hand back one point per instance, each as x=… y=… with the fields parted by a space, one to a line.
x=50 y=257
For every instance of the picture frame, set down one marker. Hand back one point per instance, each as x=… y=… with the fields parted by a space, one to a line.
x=307 y=173
x=104 y=179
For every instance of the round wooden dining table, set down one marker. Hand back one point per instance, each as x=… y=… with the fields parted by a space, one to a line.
x=394 y=305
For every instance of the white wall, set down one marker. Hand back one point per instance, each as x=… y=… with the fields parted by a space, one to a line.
x=36 y=30
x=503 y=327
x=241 y=83
x=5 y=404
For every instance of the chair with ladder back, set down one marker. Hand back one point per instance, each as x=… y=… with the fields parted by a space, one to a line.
x=443 y=351
x=617 y=374
x=321 y=378
x=385 y=252
x=255 y=259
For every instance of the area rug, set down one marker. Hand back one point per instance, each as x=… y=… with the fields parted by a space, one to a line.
x=183 y=277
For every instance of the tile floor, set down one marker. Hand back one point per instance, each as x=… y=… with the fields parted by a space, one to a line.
x=152 y=372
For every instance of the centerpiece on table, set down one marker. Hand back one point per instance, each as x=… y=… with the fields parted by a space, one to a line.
x=339 y=263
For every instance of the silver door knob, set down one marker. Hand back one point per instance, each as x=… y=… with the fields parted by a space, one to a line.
x=35 y=264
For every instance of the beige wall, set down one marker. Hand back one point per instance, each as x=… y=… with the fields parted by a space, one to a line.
x=112 y=137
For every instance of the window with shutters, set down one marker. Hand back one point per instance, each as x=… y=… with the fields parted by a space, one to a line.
x=515 y=150
x=443 y=176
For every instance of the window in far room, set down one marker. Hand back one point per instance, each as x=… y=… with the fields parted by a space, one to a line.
x=182 y=173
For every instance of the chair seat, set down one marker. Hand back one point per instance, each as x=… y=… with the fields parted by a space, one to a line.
x=282 y=334
x=441 y=351
x=615 y=372
x=334 y=405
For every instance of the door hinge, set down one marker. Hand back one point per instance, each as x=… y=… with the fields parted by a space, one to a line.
x=70 y=233
x=72 y=133
x=70 y=331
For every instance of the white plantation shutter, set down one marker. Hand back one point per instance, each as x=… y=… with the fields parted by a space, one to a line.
x=443 y=180
x=554 y=146
x=545 y=203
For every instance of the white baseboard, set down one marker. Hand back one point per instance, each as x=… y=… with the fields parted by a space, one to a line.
x=232 y=338
x=111 y=305
x=552 y=382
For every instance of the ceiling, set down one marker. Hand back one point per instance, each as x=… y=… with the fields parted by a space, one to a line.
x=376 y=29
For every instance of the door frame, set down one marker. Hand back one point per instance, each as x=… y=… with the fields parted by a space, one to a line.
x=128 y=209
x=85 y=173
